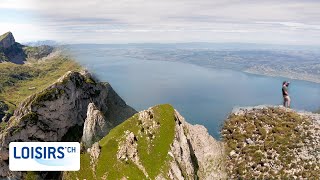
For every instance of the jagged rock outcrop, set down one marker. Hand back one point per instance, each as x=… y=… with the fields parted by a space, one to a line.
x=7 y=40
x=58 y=113
x=94 y=152
x=197 y=155
x=128 y=150
x=156 y=144
x=95 y=126
x=10 y=50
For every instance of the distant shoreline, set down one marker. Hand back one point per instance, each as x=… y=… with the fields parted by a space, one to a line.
x=290 y=75
x=276 y=74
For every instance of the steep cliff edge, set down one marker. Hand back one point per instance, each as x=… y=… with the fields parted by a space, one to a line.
x=10 y=50
x=7 y=40
x=154 y=144
x=58 y=113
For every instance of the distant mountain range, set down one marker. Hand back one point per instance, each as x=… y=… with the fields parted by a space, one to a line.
x=42 y=43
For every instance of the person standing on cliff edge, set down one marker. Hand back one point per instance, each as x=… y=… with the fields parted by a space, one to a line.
x=285 y=94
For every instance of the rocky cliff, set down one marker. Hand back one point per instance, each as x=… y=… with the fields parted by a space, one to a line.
x=95 y=126
x=154 y=144
x=12 y=51
x=196 y=154
x=7 y=40
x=59 y=112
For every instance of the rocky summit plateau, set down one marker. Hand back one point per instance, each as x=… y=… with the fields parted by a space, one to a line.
x=272 y=142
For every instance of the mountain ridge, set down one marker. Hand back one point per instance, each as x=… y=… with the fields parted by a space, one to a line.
x=58 y=112
x=156 y=143
x=12 y=51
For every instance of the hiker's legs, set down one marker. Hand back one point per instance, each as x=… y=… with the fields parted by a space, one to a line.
x=285 y=101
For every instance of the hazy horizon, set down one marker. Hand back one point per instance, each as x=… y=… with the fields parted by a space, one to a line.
x=283 y=22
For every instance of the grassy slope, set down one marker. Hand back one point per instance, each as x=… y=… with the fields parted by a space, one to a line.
x=287 y=131
x=20 y=81
x=155 y=160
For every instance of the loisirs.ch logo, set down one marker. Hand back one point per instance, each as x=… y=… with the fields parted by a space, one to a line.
x=44 y=156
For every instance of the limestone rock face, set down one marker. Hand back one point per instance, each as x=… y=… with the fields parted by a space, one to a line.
x=10 y=50
x=128 y=150
x=196 y=154
x=58 y=113
x=7 y=40
x=95 y=126
x=95 y=151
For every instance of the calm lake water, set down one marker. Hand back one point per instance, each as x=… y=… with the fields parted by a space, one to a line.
x=202 y=95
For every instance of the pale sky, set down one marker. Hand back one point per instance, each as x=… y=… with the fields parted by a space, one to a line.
x=163 y=21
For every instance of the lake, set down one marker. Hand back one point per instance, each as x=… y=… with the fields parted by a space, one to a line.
x=202 y=95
